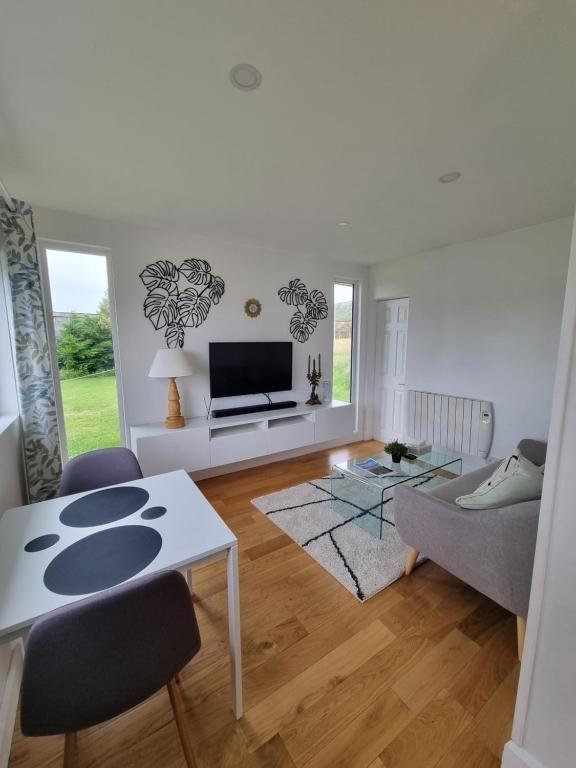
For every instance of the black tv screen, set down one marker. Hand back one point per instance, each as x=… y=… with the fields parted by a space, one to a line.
x=249 y=368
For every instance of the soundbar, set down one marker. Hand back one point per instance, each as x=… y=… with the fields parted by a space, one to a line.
x=253 y=409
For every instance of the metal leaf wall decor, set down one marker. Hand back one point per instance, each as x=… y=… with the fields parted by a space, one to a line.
x=311 y=306
x=173 y=303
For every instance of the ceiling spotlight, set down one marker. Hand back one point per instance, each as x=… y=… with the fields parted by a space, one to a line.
x=245 y=77
x=343 y=223
x=447 y=178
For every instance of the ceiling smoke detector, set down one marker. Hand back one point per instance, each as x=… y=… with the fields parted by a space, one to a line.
x=447 y=178
x=245 y=77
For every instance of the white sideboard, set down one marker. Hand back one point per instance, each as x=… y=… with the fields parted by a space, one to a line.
x=206 y=443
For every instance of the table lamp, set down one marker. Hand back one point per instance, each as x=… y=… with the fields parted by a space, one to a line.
x=168 y=364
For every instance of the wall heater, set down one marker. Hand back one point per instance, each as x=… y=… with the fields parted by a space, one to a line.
x=457 y=423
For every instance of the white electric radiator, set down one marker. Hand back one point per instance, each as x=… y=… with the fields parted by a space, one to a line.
x=457 y=423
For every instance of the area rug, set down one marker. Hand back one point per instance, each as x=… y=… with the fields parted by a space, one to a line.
x=338 y=523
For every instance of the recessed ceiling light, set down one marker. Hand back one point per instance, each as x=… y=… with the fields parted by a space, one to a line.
x=343 y=223
x=447 y=178
x=245 y=77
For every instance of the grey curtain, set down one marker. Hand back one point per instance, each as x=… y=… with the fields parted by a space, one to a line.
x=33 y=368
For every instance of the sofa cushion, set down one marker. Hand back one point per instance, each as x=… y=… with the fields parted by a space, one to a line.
x=516 y=479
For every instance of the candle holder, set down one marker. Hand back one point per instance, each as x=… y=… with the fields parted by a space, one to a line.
x=314 y=377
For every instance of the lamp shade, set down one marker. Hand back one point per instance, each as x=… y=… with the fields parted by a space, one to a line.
x=169 y=363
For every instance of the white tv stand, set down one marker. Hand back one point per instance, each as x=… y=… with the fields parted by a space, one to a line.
x=206 y=443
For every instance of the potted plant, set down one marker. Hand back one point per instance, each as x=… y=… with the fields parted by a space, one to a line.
x=396 y=450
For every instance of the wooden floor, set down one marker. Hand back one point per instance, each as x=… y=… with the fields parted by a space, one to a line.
x=423 y=674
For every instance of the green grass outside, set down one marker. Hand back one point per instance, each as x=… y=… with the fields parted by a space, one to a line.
x=341 y=369
x=91 y=413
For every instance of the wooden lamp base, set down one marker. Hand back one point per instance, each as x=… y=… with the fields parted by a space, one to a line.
x=174 y=420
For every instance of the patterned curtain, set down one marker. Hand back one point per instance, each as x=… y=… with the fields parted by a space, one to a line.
x=35 y=381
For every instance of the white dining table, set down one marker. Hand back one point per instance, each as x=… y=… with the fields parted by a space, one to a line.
x=56 y=552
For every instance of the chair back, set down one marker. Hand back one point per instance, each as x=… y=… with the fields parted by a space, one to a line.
x=98 y=469
x=94 y=659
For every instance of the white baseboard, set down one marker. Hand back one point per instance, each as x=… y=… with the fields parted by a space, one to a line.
x=516 y=757
x=238 y=466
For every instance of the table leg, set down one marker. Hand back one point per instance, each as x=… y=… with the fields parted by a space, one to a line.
x=234 y=629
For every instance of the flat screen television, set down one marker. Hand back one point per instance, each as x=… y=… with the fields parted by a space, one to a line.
x=250 y=367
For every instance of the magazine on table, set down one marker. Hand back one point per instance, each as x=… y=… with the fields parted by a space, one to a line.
x=375 y=468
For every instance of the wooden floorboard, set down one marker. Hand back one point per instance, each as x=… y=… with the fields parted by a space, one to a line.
x=422 y=675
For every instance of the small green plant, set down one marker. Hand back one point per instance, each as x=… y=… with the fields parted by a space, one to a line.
x=396 y=450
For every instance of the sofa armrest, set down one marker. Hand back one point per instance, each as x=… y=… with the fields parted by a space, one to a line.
x=464 y=484
x=490 y=549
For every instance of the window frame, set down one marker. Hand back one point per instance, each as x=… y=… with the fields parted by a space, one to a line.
x=48 y=244
x=354 y=346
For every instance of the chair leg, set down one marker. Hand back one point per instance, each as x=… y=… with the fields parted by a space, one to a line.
x=180 y=718
x=411 y=561
x=520 y=631
x=71 y=750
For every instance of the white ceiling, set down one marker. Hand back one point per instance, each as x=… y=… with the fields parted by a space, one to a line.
x=123 y=109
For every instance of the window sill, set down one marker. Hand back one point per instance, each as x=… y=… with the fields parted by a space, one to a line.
x=7 y=421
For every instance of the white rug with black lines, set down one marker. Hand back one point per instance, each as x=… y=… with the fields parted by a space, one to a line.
x=338 y=523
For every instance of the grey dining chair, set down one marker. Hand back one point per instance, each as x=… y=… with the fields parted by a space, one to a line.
x=97 y=658
x=96 y=469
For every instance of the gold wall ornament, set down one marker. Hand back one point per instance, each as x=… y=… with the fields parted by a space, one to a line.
x=252 y=307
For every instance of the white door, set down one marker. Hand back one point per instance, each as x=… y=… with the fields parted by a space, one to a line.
x=390 y=394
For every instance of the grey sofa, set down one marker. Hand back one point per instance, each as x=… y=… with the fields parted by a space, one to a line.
x=491 y=549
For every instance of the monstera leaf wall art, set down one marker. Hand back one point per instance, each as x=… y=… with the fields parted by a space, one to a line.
x=173 y=303
x=311 y=306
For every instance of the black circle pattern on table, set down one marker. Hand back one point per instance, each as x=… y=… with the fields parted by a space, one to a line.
x=105 y=506
x=42 y=542
x=152 y=513
x=102 y=560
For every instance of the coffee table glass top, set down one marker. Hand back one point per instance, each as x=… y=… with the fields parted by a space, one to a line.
x=366 y=499
x=399 y=472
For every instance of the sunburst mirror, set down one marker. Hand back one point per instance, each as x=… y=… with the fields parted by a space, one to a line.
x=252 y=307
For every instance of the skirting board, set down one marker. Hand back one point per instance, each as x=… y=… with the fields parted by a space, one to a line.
x=237 y=466
x=516 y=757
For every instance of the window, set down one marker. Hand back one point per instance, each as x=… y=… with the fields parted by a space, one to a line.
x=342 y=373
x=82 y=348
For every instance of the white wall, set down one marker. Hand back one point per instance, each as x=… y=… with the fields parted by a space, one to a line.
x=485 y=322
x=11 y=495
x=248 y=271
x=8 y=392
x=544 y=732
x=11 y=473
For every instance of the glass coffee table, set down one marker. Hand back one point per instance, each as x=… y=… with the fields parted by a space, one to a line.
x=363 y=489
